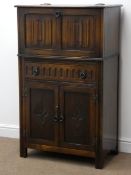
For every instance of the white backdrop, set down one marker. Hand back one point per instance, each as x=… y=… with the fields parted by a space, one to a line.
x=9 y=102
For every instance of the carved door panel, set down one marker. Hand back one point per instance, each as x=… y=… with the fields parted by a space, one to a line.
x=78 y=116
x=41 y=116
x=80 y=31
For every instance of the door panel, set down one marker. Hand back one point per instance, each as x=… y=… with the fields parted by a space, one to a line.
x=78 y=110
x=42 y=101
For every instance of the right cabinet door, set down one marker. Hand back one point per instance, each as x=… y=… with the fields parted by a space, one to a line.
x=78 y=116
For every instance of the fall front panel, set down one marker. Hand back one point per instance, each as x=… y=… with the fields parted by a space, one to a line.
x=71 y=32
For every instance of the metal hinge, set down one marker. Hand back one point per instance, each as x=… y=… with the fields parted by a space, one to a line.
x=95 y=97
x=24 y=133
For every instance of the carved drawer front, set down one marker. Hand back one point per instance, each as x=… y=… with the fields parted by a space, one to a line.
x=61 y=72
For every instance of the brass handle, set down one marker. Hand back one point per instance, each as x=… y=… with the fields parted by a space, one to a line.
x=35 y=71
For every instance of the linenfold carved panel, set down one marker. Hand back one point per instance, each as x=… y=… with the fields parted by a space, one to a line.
x=78 y=32
x=57 y=71
x=39 y=32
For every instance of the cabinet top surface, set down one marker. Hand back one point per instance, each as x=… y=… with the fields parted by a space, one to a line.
x=47 y=5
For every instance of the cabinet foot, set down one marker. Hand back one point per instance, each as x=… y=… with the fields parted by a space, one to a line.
x=114 y=152
x=99 y=163
x=23 y=152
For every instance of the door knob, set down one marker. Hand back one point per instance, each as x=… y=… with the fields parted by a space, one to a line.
x=83 y=75
x=35 y=71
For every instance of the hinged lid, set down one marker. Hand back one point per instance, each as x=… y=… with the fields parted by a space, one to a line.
x=47 y=5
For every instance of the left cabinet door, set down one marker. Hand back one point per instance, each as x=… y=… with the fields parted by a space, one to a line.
x=41 y=103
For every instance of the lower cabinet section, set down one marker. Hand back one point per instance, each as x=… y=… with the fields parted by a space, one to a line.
x=60 y=115
x=59 y=118
x=75 y=115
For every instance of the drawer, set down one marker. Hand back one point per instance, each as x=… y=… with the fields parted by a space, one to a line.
x=84 y=72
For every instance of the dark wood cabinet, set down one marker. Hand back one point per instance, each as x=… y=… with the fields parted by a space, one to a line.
x=68 y=72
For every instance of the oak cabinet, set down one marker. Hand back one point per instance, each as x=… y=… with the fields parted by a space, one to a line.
x=68 y=72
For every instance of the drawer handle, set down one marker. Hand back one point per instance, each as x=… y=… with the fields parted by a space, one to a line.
x=55 y=119
x=35 y=71
x=61 y=118
x=83 y=75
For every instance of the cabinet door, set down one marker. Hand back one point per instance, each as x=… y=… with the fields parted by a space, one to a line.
x=41 y=115
x=78 y=117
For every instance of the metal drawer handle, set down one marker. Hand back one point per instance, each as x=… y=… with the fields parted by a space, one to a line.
x=61 y=118
x=55 y=119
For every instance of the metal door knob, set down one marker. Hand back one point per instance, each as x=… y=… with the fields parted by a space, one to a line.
x=83 y=75
x=35 y=71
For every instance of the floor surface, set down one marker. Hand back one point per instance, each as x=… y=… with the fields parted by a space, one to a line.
x=43 y=163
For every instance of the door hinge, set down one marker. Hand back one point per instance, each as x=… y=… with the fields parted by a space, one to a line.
x=26 y=91
x=24 y=133
x=95 y=97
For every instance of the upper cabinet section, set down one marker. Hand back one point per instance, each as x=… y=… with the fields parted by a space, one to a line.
x=67 y=31
x=70 y=32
